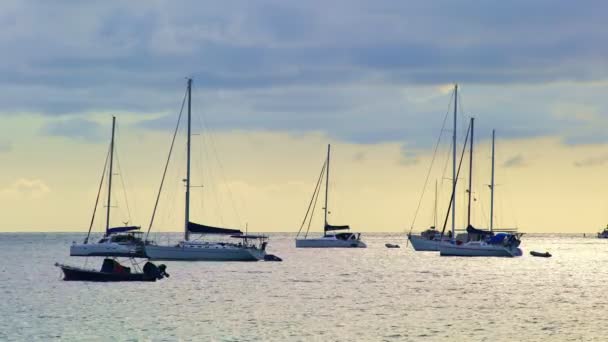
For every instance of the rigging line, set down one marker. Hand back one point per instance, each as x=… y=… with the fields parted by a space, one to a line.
x=122 y=181
x=431 y=166
x=105 y=166
x=221 y=166
x=464 y=148
x=162 y=181
x=314 y=206
x=312 y=198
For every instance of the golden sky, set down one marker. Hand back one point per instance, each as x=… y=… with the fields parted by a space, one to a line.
x=275 y=82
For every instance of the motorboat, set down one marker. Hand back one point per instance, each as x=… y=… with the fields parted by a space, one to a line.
x=330 y=238
x=112 y=271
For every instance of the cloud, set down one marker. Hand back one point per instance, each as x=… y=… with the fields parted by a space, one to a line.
x=350 y=69
x=25 y=188
x=78 y=129
x=515 y=161
x=592 y=161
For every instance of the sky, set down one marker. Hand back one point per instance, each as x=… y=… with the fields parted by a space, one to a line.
x=275 y=82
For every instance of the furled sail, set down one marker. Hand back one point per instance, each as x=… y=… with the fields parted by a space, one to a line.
x=329 y=227
x=473 y=230
x=202 y=229
x=115 y=230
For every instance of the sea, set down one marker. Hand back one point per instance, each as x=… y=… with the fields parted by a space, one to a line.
x=373 y=294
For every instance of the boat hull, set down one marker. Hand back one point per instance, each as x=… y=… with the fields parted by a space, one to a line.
x=479 y=251
x=202 y=253
x=79 y=274
x=107 y=249
x=329 y=243
x=421 y=244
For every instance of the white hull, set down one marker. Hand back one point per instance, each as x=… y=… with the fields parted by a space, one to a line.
x=204 y=252
x=106 y=249
x=329 y=242
x=421 y=244
x=479 y=250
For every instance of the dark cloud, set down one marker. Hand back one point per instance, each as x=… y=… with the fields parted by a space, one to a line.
x=345 y=68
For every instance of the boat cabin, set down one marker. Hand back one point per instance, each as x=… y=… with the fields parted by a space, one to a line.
x=123 y=238
x=348 y=236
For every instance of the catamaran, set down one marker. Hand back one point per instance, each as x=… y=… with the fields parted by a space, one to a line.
x=329 y=239
x=483 y=242
x=248 y=247
x=122 y=241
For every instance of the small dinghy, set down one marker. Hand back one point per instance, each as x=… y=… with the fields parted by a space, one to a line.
x=540 y=255
x=390 y=245
x=272 y=257
x=111 y=270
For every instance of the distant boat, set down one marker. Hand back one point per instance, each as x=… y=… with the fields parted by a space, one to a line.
x=483 y=243
x=249 y=247
x=390 y=245
x=541 y=255
x=603 y=234
x=329 y=238
x=117 y=241
x=112 y=271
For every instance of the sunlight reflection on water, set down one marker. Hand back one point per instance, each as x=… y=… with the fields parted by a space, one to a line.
x=349 y=294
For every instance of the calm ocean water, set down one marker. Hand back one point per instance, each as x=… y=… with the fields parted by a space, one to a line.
x=321 y=295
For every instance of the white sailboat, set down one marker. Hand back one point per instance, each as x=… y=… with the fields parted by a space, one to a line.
x=430 y=239
x=485 y=243
x=329 y=238
x=117 y=241
x=249 y=247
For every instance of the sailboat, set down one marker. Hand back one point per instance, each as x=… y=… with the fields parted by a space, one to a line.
x=483 y=242
x=122 y=241
x=249 y=247
x=329 y=239
x=430 y=239
x=603 y=234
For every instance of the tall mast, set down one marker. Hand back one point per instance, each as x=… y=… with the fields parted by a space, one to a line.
x=326 y=187
x=470 y=172
x=454 y=181
x=187 y=216
x=492 y=183
x=110 y=177
x=435 y=215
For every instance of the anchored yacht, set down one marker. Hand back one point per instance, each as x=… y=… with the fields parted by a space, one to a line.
x=329 y=238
